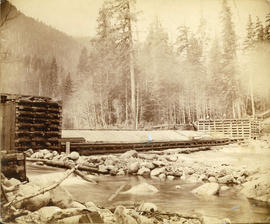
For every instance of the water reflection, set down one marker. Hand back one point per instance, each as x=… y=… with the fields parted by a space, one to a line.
x=228 y=205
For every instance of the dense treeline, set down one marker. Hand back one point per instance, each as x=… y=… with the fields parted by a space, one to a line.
x=196 y=77
x=125 y=83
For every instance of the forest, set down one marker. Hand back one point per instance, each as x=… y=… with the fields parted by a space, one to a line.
x=114 y=80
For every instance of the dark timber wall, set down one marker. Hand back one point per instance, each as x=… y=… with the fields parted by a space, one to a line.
x=29 y=122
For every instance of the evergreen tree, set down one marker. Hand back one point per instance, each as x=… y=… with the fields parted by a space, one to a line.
x=259 y=30
x=83 y=66
x=267 y=28
x=250 y=37
x=52 y=87
x=121 y=19
x=228 y=32
x=68 y=88
x=182 y=40
x=231 y=85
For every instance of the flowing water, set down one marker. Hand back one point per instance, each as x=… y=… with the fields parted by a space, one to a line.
x=228 y=205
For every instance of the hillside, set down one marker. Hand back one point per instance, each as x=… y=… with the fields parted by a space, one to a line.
x=24 y=37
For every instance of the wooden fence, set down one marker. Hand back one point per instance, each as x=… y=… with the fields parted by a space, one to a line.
x=233 y=128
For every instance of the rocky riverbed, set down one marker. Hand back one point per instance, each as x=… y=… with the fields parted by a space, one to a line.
x=243 y=168
x=221 y=173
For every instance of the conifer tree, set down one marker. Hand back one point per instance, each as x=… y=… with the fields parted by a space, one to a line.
x=259 y=30
x=250 y=37
x=267 y=28
x=231 y=85
x=52 y=87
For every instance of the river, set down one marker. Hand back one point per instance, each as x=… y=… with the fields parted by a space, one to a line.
x=229 y=204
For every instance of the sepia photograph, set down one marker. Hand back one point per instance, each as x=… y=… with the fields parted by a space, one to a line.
x=135 y=111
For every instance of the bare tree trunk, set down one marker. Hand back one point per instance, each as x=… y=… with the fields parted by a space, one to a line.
x=251 y=95
x=137 y=109
x=126 y=105
x=102 y=118
x=131 y=69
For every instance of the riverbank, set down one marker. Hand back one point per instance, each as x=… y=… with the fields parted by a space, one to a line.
x=241 y=166
x=229 y=173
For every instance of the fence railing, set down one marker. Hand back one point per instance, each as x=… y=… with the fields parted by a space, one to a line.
x=233 y=128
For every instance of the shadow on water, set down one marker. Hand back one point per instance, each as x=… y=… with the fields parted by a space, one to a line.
x=229 y=204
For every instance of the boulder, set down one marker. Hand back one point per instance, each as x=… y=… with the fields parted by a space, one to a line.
x=177 y=172
x=114 y=171
x=148 y=165
x=147 y=156
x=258 y=189
x=37 y=155
x=80 y=160
x=222 y=172
x=55 y=153
x=61 y=198
x=170 y=177
x=12 y=182
x=70 y=220
x=178 y=187
x=212 y=179
x=106 y=215
x=120 y=172
x=29 y=152
x=129 y=154
x=111 y=160
x=48 y=156
x=94 y=159
x=207 y=189
x=47 y=212
x=189 y=170
x=102 y=168
x=202 y=177
x=94 y=216
x=142 y=189
x=193 y=178
x=228 y=179
x=144 y=171
x=241 y=179
x=122 y=217
x=75 y=204
x=34 y=203
x=159 y=163
x=172 y=158
x=147 y=207
x=91 y=206
x=224 y=188
x=44 y=152
x=74 y=155
x=39 y=163
x=157 y=171
x=162 y=176
x=133 y=167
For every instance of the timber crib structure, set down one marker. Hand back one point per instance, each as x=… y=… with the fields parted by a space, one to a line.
x=232 y=128
x=30 y=122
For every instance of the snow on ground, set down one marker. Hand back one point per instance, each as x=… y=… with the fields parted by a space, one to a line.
x=134 y=136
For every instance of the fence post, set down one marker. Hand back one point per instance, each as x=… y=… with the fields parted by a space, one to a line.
x=67 y=148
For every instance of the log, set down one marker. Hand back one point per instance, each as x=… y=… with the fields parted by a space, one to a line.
x=117 y=192
x=79 y=173
x=65 y=165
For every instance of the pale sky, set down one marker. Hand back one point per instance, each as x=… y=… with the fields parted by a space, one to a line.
x=78 y=17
